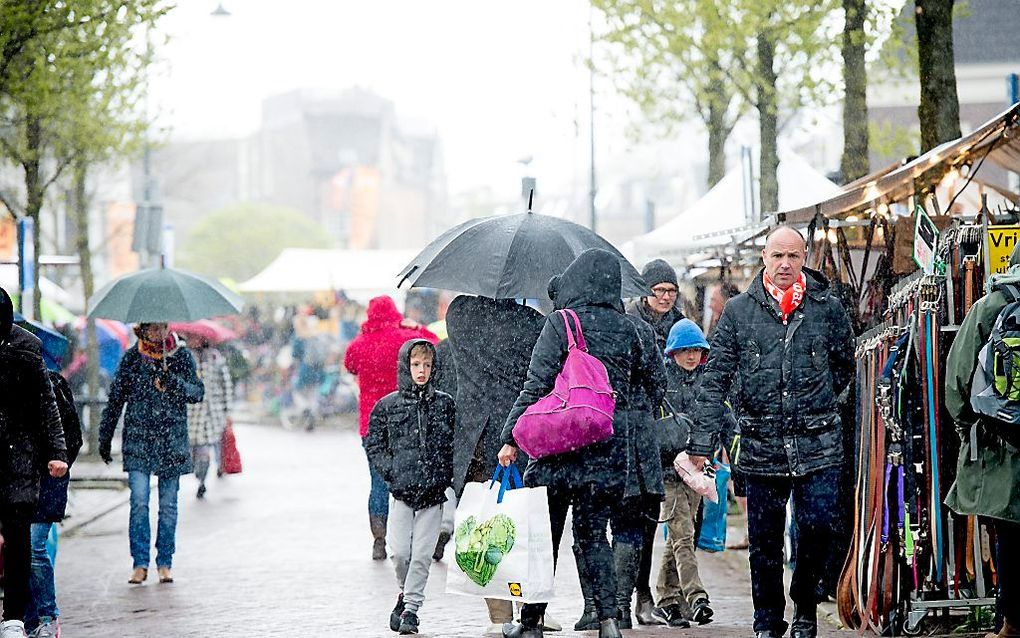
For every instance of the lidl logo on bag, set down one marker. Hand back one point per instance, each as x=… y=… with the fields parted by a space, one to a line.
x=515 y=589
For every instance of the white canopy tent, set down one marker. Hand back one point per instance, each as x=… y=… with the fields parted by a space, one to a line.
x=722 y=209
x=361 y=274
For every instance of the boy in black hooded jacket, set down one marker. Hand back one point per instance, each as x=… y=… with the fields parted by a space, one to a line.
x=410 y=444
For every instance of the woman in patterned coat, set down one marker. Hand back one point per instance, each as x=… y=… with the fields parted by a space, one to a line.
x=208 y=419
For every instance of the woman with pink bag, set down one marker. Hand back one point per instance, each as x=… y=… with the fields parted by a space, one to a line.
x=589 y=479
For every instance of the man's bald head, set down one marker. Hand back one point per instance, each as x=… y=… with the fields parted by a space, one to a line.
x=785 y=232
x=784 y=254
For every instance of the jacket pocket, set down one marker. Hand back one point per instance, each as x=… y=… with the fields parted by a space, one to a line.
x=820 y=423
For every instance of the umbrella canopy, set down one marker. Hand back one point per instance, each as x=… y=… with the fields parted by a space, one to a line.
x=157 y=295
x=509 y=257
x=112 y=338
x=206 y=330
x=54 y=344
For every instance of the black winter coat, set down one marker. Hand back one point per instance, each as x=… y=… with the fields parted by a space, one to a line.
x=444 y=373
x=53 y=491
x=492 y=340
x=30 y=432
x=410 y=438
x=790 y=377
x=660 y=324
x=591 y=287
x=155 y=438
x=644 y=464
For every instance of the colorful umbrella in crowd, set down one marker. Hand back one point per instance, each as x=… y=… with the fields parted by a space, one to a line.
x=157 y=295
x=54 y=344
x=204 y=330
x=112 y=337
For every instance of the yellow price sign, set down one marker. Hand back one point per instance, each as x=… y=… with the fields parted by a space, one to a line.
x=1001 y=242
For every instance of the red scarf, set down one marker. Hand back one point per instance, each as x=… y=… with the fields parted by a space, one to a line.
x=788 y=299
x=154 y=350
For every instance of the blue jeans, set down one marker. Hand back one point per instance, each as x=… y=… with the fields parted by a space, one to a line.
x=139 y=527
x=42 y=600
x=815 y=499
x=379 y=497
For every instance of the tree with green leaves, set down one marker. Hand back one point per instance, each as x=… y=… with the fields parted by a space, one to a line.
x=670 y=58
x=70 y=83
x=854 y=163
x=239 y=241
x=767 y=54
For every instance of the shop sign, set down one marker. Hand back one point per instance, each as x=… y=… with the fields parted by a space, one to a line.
x=1001 y=241
x=926 y=237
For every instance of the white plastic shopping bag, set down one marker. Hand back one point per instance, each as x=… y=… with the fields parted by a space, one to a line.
x=503 y=541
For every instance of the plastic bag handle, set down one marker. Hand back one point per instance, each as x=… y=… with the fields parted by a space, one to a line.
x=508 y=478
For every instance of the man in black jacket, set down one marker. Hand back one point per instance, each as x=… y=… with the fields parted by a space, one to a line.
x=410 y=445
x=787 y=341
x=31 y=434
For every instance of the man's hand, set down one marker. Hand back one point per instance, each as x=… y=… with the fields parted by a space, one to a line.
x=57 y=468
x=507 y=455
x=698 y=462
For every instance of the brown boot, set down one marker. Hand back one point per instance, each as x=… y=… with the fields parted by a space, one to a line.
x=378 y=525
x=164 y=575
x=138 y=576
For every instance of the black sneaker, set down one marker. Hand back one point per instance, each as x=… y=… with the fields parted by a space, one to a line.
x=671 y=615
x=395 y=614
x=408 y=623
x=701 y=612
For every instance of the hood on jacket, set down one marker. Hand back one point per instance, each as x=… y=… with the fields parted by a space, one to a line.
x=685 y=334
x=592 y=279
x=382 y=313
x=6 y=315
x=405 y=384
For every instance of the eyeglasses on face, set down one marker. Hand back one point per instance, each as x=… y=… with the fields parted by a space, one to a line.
x=665 y=292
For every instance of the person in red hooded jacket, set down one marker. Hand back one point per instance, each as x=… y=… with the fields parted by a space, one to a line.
x=372 y=358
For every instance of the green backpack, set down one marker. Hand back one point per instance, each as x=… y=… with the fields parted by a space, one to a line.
x=995 y=388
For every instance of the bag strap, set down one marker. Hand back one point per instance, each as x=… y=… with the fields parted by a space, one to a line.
x=581 y=343
x=508 y=478
x=1010 y=292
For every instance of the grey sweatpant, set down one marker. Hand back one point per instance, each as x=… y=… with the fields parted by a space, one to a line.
x=412 y=537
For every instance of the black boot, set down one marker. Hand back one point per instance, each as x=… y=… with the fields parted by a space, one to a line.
x=378 y=525
x=645 y=607
x=610 y=629
x=805 y=622
x=626 y=557
x=589 y=619
x=518 y=630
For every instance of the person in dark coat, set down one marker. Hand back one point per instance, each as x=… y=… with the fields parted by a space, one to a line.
x=410 y=445
x=491 y=341
x=681 y=591
x=155 y=382
x=372 y=358
x=788 y=341
x=33 y=445
x=634 y=518
x=593 y=478
x=41 y=615
x=444 y=379
x=659 y=309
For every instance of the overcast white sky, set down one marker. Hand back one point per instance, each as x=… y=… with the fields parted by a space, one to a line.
x=498 y=79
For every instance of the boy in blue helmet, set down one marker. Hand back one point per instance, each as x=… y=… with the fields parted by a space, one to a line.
x=679 y=581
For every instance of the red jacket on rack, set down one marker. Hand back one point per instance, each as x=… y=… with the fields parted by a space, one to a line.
x=372 y=355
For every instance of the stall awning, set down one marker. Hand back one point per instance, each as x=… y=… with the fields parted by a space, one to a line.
x=308 y=270
x=998 y=138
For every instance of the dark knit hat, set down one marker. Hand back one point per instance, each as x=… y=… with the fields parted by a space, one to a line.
x=658 y=272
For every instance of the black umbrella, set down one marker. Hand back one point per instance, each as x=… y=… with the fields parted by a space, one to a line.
x=509 y=257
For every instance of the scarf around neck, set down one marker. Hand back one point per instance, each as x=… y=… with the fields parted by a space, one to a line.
x=788 y=299
x=157 y=351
